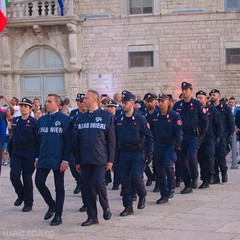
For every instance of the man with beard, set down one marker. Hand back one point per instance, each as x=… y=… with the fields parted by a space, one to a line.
x=226 y=137
x=151 y=107
x=206 y=152
x=195 y=123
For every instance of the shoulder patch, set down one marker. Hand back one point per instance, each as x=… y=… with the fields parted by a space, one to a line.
x=179 y=122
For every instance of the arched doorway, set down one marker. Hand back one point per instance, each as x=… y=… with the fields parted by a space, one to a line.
x=42 y=75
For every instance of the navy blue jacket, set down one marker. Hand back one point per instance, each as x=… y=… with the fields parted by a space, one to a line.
x=167 y=128
x=74 y=113
x=215 y=127
x=193 y=116
x=133 y=131
x=227 y=119
x=95 y=140
x=55 y=132
x=24 y=134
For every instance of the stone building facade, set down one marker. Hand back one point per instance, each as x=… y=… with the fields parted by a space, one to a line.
x=113 y=45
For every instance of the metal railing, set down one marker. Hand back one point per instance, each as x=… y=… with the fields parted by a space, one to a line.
x=36 y=9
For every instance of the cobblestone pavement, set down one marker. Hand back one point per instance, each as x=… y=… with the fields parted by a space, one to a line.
x=212 y=213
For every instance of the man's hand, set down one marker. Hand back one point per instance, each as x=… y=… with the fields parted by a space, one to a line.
x=108 y=165
x=149 y=157
x=78 y=168
x=63 y=166
x=35 y=164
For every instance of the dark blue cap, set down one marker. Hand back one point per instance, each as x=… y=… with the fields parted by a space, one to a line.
x=214 y=91
x=80 y=97
x=111 y=103
x=201 y=93
x=26 y=101
x=128 y=96
x=186 y=85
x=150 y=97
x=163 y=97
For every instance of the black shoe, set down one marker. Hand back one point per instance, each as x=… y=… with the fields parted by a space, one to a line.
x=141 y=202
x=56 y=221
x=194 y=183
x=149 y=182
x=134 y=197
x=127 y=211
x=77 y=189
x=212 y=179
x=170 y=194
x=224 y=177
x=83 y=209
x=27 y=208
x=204 y=185
x=49 y=212
x=177 y=182
x=156 y=189
x=18 y=202
x=186 y=190
x=90 y=222
x=216 y=179
x=162 y=200
x=115 y=187
x=107 y=214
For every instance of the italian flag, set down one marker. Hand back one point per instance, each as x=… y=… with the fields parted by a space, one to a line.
x=3 y=15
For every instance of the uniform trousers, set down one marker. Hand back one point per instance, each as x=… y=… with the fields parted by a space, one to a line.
x=164 y=158
x=131 y=168
x=93 y=177
x=206 y=156
x=40 y=181
x=188 y=158
x=22 y=163
x=220 y=156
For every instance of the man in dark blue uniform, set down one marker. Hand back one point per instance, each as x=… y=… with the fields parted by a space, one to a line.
x=55 y=132
x=167 y=132
x=23 y=145
x=206 y=152
x=151 y=107
x=226 y=137
x=133 y=137
x=74 y=116
x=95 y=150
x=195 y=124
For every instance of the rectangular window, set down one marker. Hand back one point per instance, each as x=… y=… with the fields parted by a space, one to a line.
x=232 y=5
x=140 y=59
x=233 y=56
x=140 y=6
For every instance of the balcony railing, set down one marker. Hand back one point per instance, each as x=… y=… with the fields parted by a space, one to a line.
x=35 y=9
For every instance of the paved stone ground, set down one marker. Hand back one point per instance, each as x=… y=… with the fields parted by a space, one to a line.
x=212 y=213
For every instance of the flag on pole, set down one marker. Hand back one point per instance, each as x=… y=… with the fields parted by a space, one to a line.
x=3 y=15
x=60 y=2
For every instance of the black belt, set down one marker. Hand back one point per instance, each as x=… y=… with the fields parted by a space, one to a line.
x=23 y=146
x=131 y=149
x=164 y=141
x=191 y=131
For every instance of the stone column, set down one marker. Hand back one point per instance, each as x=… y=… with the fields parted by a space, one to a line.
x=72 y=41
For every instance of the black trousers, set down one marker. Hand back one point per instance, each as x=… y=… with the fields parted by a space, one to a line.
x=40 y=181
x=93 y=178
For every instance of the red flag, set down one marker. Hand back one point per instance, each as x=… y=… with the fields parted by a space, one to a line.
x=3 y=15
